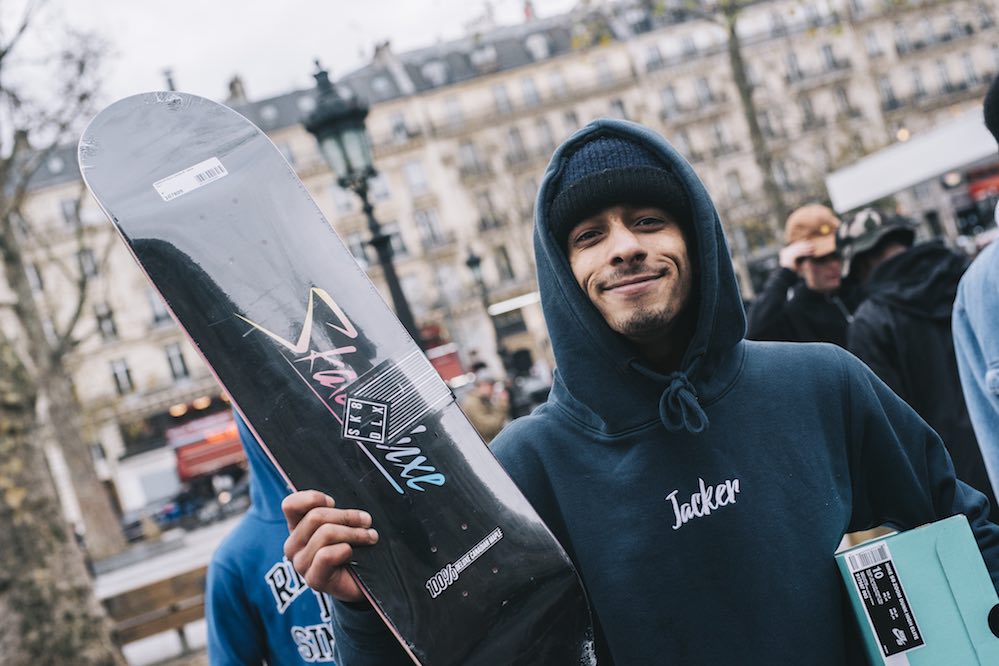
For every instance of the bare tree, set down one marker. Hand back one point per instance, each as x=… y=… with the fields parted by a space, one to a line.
x=34 y=122
x=725 y=13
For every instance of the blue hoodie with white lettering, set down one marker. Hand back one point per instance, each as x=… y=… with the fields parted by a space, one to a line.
x=258 y=610
x=702 y=508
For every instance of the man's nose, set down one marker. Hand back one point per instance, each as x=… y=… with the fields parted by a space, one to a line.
x=625 y=247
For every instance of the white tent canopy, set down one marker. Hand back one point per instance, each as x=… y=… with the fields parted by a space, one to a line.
x=953 y=145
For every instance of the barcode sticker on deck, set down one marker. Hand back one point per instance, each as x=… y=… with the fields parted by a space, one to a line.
x=190 y=179
x=884 y=601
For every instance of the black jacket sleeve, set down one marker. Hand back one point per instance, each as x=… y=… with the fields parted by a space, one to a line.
x=362 y=639
x=901 y=474
x=870 y=339
x=767 y=315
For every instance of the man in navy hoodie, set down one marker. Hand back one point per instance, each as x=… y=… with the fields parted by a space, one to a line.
x=259 y=610
x=700 y=482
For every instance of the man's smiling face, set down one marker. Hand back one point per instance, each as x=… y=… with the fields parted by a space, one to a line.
x=632 y=263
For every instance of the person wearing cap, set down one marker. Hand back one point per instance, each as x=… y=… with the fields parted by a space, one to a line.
x=903 y=329
x=700 y=482
x=976 y=330
x=486 y=407
x=806 y=299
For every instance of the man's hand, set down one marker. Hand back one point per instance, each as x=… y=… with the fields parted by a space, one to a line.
x=792 y=255
x=321 y=541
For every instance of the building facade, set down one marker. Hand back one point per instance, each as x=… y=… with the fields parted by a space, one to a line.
x=462 y=132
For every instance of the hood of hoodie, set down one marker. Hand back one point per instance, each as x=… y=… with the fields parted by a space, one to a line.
x=601 y=380
x=267 y=486
x=921 y=281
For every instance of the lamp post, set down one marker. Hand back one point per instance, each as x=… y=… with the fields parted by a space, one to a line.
x=474 y=263
x=337 y=122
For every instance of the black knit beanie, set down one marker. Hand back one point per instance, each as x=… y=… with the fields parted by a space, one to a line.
x=608 y=171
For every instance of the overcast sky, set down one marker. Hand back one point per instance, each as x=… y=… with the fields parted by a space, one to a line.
x=271 y=44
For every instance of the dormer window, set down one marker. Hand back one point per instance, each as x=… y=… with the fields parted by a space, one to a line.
x=381 y=87
x=435 y=71
x=537 y=46
x=484 y=57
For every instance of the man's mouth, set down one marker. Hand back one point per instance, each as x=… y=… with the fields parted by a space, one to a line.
x=631 y=282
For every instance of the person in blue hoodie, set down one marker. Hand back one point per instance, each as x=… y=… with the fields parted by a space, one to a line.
x=700 y=482
x=976 y=329
x=258 y=609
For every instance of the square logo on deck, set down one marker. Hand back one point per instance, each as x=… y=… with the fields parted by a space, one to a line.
x=366 y=420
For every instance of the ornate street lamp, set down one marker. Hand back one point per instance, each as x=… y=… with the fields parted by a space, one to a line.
x=337 y=122
x=474 y=263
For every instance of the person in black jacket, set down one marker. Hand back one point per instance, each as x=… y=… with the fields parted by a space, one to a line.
x=903 y=329
x=806 y=298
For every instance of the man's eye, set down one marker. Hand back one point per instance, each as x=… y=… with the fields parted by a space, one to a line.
x=646 y=221
x=584 y=236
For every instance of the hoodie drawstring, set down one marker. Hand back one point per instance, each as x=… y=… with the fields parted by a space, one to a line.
x=678 y=406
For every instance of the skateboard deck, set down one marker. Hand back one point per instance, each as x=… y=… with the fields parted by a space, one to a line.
x=341 y=397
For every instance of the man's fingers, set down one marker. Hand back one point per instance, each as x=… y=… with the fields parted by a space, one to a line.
x=324 y=526
x=296 y=505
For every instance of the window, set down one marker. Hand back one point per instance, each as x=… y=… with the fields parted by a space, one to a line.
x=670 y=105
x=435 y=71
x=777 y=26
x=158 y=307
x=452 y=107
x=828 y=57
x=681 y=141
x=918 y=89
x=537 y=46
x=970 y=75
x=503 y=265
x=70 y=214
x=413 y=171
x=468 y=157
x=501 y=98
x=688 y=47
x=765 y=122
x=704 y=94
x=721 y=140
x=357 y=243
x=342 y=199
x=872 y=44
x=122 y=376
x=812 y=15
x=381 y=88
x=887 y=92
x=653 y=58
x=105 y=321
x=175 y=359
x=617 y=109
x=400 y=132
x=378 y=187
x=842 y=99
x=733 y=184
x=604 y=74
x=546 y=140
x=944 y=73
x=780 y=175
x=87 y=262
x=807 y=110
x=793 y=67
x=488 y=219
x=515 y=144
x=901 y=39
x=530 y=91
x=399 y=249
x=557 y=83
x=429 y=227
x=572 y=121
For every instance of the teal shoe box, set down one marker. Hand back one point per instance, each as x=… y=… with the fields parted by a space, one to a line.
x=923 y=597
